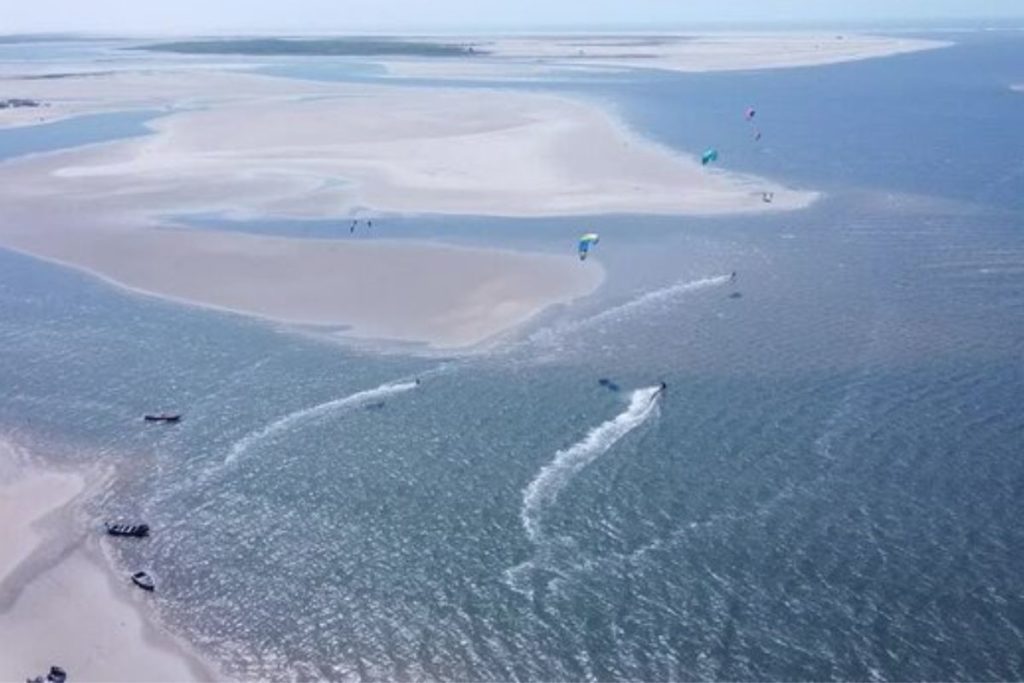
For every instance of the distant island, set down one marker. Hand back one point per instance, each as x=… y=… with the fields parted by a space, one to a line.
x=338 y=47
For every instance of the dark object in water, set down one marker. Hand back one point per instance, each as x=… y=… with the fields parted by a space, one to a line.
x=607 y=383
x=375 y=406
x=143 y=581
x=162 y=417
x=136 y=530
x=735 y=295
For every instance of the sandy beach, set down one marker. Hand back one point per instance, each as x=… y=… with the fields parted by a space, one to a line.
x=58 y=604
x=710 y=52
x=282 y=147
x=251 y=146
x=417 y=293
x=540 y=57
x=245 y=145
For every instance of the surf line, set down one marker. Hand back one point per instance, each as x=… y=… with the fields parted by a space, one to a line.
x=553 y=478
x=288 y=421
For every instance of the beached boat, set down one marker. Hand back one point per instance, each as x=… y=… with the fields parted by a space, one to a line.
x=143 y=581
x=56 y=675
x=162 y=417
x=136 y=530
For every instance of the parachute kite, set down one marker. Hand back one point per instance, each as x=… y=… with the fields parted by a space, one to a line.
x=586 y=242
x=750 y=113
x=709 y=156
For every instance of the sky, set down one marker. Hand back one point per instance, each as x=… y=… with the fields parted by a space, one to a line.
x=330 y=16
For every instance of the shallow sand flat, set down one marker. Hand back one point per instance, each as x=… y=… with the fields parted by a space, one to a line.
x=489 y=68
x=149 y=88
x=72 y=615
x=266 y=146
x=476 y=152
x=700 y=53
x=24 y=501
x=253 y=145
x=62 y=607
x=444 y=296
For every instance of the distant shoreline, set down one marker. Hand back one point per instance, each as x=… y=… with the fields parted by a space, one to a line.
x=320 y=47
x=690 y=52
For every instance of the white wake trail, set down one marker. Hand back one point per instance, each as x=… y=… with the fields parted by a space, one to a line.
x=555 y=476
x=635 y=305
x=658 y=296
x=306 y=414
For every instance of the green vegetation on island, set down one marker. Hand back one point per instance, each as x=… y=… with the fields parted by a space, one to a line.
x=334 y=47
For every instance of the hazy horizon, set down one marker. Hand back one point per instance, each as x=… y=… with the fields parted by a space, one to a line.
x=443 y=16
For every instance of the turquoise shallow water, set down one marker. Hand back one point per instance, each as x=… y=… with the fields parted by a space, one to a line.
x=830 y=489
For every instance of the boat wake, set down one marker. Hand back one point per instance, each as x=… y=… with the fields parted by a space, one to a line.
x=555 y=476
x=555 y=555
x=635 y=305
x=657 y=296
x=290 y=420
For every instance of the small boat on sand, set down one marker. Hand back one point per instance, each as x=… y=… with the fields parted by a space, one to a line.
x=136 y=530
x=163 y=417
x=143 y=581
x=56 y=675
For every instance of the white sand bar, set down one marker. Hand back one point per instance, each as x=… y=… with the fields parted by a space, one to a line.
x=252 y=146
x=266 y=145
x=58 y=605
x=700 y=53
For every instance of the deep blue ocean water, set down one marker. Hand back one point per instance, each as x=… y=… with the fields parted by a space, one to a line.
x=830 y=489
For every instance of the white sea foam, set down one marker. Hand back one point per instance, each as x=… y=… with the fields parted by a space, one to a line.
x=658 y=296
x=556 y=475
x=638 y=304
x=290 y=420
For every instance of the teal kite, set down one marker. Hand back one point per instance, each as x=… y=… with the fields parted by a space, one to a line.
x=586 y=242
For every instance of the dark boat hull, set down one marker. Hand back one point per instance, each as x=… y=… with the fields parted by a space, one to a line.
x=143 y=581
x=132 y=530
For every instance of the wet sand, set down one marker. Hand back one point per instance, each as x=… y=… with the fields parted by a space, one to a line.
x=262 y=146
x=58 y=605
x=708 y=52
